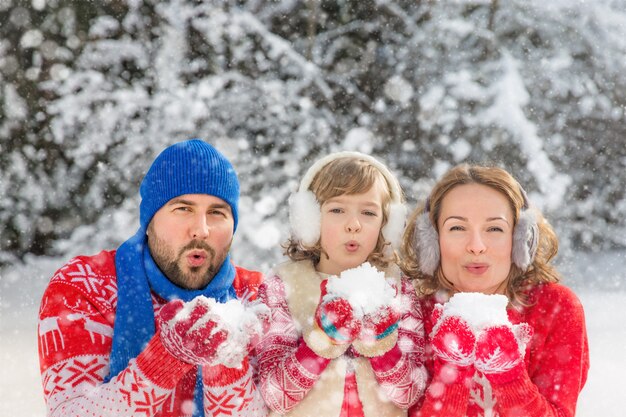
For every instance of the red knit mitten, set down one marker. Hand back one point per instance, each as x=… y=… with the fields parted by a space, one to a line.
x=188 y=333
x=336 y=318
x=453 y=344
x=500 y=352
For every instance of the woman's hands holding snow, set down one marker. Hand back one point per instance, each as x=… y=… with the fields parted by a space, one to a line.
x=205 y=332
x=454 y=346
x=500 y=351
x=468 y=336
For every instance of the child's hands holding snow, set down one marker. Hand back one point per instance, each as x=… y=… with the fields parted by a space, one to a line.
x=500 y=351
x=189 y=332
x=380 y=324
x=335 y=316
x=365 y=306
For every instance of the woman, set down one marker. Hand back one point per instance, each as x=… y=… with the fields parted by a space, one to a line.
x=477 y=234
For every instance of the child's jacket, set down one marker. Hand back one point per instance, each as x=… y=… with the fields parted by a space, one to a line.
x=301 y=377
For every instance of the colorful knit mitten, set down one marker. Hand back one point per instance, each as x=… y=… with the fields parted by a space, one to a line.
x=453 y=343
x=334 y=315
x=188 y=331
x=380 y=324
x=500 y=352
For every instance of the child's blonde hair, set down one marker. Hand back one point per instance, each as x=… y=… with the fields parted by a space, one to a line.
x=347 y=174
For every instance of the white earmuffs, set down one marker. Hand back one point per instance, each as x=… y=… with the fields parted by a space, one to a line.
x=305 y=213
x=525 y=239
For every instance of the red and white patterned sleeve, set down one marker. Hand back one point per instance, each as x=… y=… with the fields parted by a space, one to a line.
x=75 y=336
x=400 y=372
x=232 y=392
x=288 y=368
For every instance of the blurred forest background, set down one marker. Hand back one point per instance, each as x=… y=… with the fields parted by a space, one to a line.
x=91 y=91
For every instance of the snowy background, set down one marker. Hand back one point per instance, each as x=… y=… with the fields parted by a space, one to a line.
x=91 y=91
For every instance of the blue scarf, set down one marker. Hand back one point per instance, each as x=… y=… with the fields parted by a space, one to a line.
x=137 y=276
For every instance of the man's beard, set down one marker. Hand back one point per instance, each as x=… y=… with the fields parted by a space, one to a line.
x=170 y=264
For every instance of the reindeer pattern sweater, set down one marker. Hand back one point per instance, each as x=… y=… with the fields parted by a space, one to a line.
x=76 y=320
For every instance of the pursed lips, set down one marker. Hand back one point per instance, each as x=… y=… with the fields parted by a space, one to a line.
x=196 y=257
x=476 y=268
x=352 y=246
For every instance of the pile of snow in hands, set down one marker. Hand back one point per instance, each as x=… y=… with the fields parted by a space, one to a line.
x=240 y=320
x=477 y=309
x=365 y=288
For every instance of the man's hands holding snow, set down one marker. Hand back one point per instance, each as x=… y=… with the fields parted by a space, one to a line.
x=205 y=332
x=190 y=334
x=474 y=333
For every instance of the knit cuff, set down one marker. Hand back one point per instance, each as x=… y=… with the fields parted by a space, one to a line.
x=443 y=399
x=386 y=361
x=518 y=393
x=159 y=366
x=221 y=376
x=375 y=348
x=310 y=360
x=321 y=344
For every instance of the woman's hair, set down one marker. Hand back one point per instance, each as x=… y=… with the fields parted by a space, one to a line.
x=500 y=180
x=346 y=176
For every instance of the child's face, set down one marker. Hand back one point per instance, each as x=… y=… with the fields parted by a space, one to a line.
x=350 y=229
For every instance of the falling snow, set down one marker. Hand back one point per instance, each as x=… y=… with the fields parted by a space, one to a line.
x=87 y=100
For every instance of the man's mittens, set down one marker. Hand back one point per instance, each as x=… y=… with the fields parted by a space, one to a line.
x=189 y=332
x=169 y=310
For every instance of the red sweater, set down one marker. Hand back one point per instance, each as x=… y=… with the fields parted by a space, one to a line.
x=557 y=361
x=75 y=336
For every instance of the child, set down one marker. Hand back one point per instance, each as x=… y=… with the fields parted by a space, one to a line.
x=318 y=356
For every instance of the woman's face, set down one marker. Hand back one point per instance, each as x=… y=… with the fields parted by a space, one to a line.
x=475 y=238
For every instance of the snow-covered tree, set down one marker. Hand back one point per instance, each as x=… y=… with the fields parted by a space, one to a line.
x=92 y=91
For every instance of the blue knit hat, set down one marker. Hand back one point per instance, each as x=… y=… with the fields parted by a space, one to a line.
x=189 y=167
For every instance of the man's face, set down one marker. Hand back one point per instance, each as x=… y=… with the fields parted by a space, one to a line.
x=189 y=238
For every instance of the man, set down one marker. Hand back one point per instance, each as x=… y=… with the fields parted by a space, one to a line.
x=107 y=344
